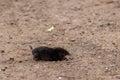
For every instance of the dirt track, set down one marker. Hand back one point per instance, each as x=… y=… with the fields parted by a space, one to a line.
x=88 y=29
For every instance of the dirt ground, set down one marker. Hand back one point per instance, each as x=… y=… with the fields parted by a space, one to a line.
x=88 y=29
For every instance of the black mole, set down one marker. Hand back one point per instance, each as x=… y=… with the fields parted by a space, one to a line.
x=49 y=54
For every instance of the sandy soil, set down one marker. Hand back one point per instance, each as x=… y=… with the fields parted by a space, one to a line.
x=88 y=29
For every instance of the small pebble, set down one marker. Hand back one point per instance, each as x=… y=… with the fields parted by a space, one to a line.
x=20 y=62
x=11 y=23
x=10 y=37
x=113 y=13
x=101 y=25
x=108 y=24
x=99 y=57
x=2 y=51
x=11 y=59
x=72 y=40
x=59 y=78
x=113 y=43
x=3 y=69
x=117 y=76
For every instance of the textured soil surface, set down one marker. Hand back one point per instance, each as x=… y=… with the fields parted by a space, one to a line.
x=88 y=29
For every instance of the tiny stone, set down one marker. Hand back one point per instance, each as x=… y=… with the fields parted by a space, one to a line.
x=2 y=51
x=108 y=24
x=82 y=32
x=113 y=13
x=71 y=58
x=99 y=56
x=59 y=78
x=11 y=23
x=113 y=43
x=8 y=42
x=101 y=25
x=117 y=76
x=10 y=37
x=4 y=69
x=11 y=59
x=20 y=61
x=106 y=68
x=72 y=40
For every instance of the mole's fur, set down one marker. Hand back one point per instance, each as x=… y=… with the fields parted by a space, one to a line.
x=49 y=54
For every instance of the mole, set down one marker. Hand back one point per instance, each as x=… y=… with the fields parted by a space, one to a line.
x=49 y=54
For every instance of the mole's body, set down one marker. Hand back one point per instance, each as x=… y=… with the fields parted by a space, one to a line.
x=49 y=54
